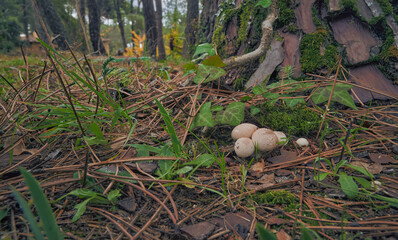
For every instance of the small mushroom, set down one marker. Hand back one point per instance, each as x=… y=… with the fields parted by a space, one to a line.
x=243 y=130
x=302 y=142
x=281 y=136
x=265 y=139
x=244 y=147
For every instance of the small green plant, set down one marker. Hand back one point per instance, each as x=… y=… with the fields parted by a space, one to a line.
x=44 y=211
x=233 y=115
x=91 y=197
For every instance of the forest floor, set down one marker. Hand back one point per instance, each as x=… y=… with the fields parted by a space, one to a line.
x=131 y=169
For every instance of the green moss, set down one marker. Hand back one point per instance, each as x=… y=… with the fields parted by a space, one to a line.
x=386 y=6
x=312 y=60
x=297 y=120
x=286 y=13
x=245 y=15
x=278 y=198
x=316 y=20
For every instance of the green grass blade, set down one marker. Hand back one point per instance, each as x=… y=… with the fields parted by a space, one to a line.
x=170 y=129
x=28 y=215
x=43 y=206
x=264 y=234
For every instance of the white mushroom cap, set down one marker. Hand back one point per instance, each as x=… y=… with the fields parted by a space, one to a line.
x=243 y=130
x=281 y=136
x=302 y=142
x=265 y=139
x=244 y=147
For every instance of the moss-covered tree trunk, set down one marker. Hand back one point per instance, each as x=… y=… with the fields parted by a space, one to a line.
x=313 y=36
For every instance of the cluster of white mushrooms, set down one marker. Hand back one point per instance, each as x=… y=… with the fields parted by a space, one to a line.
x=248 y=136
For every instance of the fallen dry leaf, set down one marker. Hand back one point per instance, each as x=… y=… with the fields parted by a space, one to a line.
x=257 y=169
x=19 y=148
x=373 y=169
x=381 y=158
x=285 y=156
x=282 y=235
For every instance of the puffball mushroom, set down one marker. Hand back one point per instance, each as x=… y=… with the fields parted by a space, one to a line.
x=302 y=142
x=265 y=139
x=244 y=147
x=281 y=136
x=243 y=130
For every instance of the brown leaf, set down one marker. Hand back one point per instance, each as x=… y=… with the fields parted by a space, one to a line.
x=264 y=182
x=381 y=158
x=375 y=168
x=282 y=235
x=275 y=220
x=118 y=143
x=199 y=231
x=285 y=156
x=19 y=148
x=257 y=169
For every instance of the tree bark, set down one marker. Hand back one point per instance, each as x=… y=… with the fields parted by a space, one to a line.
x=54 y=22
x=25 y=21
x=94 y=26
x=191 y=28
x=120 y=23
x=208 y=20
x=82 y=10
x=159 y=32
x=150 y=27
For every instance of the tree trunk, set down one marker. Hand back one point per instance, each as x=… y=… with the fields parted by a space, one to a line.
x=120 y=23
x=191 y=28
x=208 y=20
x=82 y=10
x=94 y=26
x=159 y=32
x=150 y=27
x=25 y=20
x=39 y=25
x=54 y=22
x=132 y=6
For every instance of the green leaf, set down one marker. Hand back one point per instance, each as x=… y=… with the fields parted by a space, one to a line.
x=340 y=95
x=233 y=114
x=306 y=234
x=113 y=195
x=43 y=206
x=264 y=3
x=3 y=213
x=392 y=201
x=208 y=73
x=362 y=170
x=204 y=48
x=216 y=108
x=254 y=110
x=204 y=117
x=348 y=185
x=28 y=215
x=95 y=141
x=259 y=89
x=321 y=176
x=365 y=183
x=214 y=61
x=291 y=102
x=205 y=160
x=264 y=234
x=145 y=147
x=270 y=95
x=81 y=209
x=170 y=129
x=183 y=170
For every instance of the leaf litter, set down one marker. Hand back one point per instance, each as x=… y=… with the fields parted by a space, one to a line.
x=182 y=207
